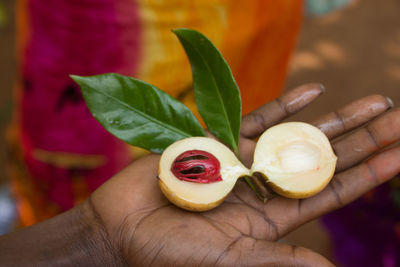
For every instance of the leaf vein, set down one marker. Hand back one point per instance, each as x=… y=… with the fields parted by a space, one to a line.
x=146 y=116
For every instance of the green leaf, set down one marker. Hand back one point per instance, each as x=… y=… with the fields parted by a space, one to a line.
x=137 y=112
x=217 y=94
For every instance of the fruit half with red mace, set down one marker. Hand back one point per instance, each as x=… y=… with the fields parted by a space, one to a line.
x=197 y=173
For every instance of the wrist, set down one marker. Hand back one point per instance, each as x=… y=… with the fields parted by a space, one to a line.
x=76 y=237
x=94 y=241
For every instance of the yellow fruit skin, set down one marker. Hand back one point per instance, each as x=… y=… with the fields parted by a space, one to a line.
x=290 y=194
x=184 y=204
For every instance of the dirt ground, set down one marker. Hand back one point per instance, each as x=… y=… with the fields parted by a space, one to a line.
x=354 y=52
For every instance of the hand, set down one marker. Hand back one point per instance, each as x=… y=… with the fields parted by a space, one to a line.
x=144 y=229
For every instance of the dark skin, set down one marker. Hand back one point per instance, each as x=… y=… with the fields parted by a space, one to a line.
x=128 y=221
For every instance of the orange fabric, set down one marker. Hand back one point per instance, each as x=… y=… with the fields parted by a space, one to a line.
x=260 y=38
x=22 y=18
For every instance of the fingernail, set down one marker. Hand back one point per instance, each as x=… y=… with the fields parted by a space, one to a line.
x=390 y=102
x=323 y=89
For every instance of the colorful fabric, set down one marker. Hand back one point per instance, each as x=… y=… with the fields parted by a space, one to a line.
x=59 y=153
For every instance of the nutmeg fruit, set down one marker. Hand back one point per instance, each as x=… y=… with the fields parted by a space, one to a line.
x=295 y=158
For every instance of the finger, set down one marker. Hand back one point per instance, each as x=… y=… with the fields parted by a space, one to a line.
x=256 y=122
x=246 y=251
x=332 y=124
x=359 y=145
x=351 y=184
x=246 y=151
x=352 y=115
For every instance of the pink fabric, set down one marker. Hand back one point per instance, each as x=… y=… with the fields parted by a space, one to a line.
x=83 y=37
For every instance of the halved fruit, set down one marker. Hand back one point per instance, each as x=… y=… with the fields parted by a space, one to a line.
x=198 y=173
x=295 y=158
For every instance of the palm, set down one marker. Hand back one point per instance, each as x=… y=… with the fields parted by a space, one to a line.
x=243 y=230
x=155 y=231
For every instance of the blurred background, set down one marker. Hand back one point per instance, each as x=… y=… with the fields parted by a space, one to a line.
x=352 y=47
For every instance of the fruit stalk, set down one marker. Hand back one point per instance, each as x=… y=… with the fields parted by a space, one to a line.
x=258 y=184
x=260 y=187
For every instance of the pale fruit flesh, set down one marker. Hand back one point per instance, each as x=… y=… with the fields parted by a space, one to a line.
x=296 y=159
x=196 y=196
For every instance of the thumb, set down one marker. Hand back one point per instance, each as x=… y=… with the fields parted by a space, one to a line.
x=252 y=252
